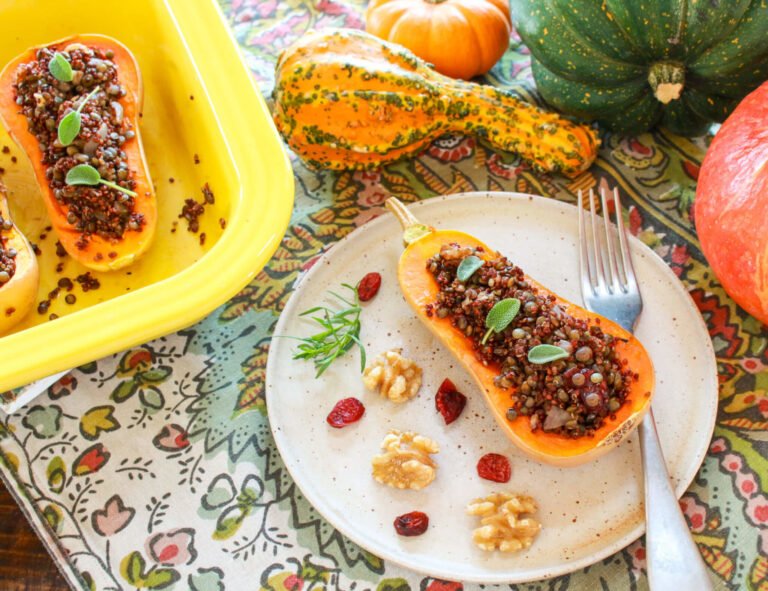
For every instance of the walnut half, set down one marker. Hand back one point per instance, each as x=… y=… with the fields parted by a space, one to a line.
x=406 y=461
x=502 y=526
x=394 y=376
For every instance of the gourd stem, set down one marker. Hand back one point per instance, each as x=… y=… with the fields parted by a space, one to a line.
x=401 y=212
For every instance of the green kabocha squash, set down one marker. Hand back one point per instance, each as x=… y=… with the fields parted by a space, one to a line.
x=634 y=64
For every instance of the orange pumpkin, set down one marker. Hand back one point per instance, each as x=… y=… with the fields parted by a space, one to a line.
x=99 y=253
x=731 y=208
x=420 y=289
x=462 y=38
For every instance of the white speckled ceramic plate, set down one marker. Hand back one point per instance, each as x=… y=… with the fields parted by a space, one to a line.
x=588 y=512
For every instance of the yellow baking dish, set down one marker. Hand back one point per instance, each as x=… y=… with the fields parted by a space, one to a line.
x=204 y=122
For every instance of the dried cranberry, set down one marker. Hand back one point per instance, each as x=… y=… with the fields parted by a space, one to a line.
x=449 y=401
x=368 y=287
x=346 y=412
x=494 y=467
x=414 y=523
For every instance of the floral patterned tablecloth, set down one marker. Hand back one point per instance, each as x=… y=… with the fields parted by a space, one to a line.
x=156 y=468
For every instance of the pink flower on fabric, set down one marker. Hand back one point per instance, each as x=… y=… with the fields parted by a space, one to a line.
x=371 y=197
x=752 y=365
x=173 y=548
x=372 y=193
x=113 y=518
x=680 y=254
x=718 y=446
x=637 y=553
x=695 y=512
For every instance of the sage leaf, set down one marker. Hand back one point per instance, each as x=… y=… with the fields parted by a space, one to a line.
x=60 y=68
x=69 y=127
x=467 y=268
x=85 y=174
x=500 y=316
x=541 y=354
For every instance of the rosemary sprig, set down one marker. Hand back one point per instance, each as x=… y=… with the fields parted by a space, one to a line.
x=340 y=332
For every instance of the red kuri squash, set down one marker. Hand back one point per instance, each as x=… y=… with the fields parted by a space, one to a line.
x=731 y=209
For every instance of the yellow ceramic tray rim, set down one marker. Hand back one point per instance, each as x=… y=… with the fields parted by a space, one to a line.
x=262 y=171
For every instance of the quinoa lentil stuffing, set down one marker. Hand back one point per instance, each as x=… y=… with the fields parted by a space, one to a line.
x=44 y=101
x=7 y=254
x=193 y=210
x=571 y=396
x=88 y=282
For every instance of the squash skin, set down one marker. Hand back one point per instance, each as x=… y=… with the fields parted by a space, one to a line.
x=594 y=58
x=461 y=38
x=731 y=207
x=420 y=289
x=96 y=253
x=344 y=99
x=17 y=296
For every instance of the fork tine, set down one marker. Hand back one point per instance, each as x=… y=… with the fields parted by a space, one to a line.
x=611 y=268
x=626 y=259
x=599 y=273
x=587 y=285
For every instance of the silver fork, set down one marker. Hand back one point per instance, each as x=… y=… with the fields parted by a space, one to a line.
x=609 y=287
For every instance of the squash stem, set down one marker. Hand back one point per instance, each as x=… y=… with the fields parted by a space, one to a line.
x=667 y=80
x=413 y=229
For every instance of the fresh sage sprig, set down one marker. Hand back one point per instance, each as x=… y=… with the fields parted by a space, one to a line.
x=85 y=174
x=467 y=267
x=69 y=126
x=500 y=316
x=340 y=331
x=60 y=68
x=541 y=354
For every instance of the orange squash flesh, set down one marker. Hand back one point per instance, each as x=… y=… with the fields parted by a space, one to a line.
x=420 y=289
x=17 y=296
x=100 y=254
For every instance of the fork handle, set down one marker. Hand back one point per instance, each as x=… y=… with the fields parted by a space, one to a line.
x=674 y=561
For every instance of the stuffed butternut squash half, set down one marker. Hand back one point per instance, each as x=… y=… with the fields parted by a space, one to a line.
x=345 y=99
x=564 y=384
x=73 y=107
x=19 y=275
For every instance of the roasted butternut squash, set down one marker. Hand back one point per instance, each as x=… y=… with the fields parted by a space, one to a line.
x=344 y=99
x=421 y=290
x=79 y=214
x=18 y=266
